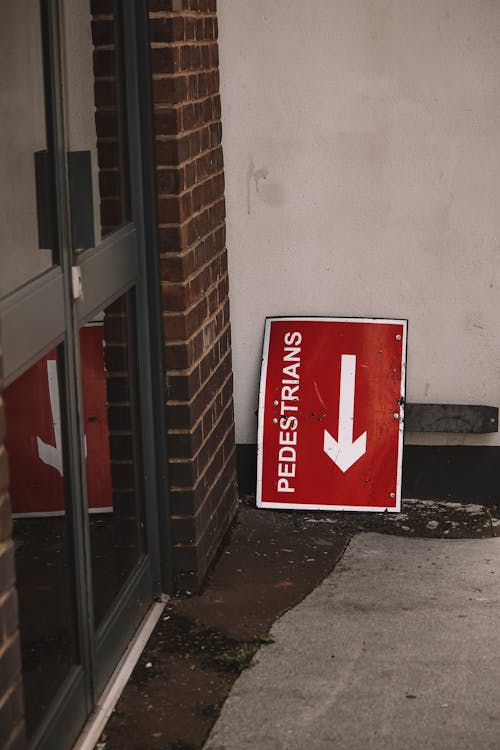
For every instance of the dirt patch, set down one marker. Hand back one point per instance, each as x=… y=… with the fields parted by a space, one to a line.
x=271 y=561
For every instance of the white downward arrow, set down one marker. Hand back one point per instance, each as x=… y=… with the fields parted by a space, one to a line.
x=344 y=452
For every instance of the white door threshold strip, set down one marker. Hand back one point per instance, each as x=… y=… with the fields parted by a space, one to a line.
x=97 y=720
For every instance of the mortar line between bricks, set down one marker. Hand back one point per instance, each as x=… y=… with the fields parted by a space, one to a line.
x=171 y=138
x=162 y=106
x=201 y=238
x=178 y=74
x=174 y=225
x=178 y=488
x=194 y=216
x=186 y=403
x=219 y=420
x=207 y=320
x=194 y=275
x=184 y=43
x=161 y=14
x=189 y=190
x=181 y=545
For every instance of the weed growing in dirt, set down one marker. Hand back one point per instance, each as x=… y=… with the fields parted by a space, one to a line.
x=266 y=638
x=241 y=658
x=238 y=660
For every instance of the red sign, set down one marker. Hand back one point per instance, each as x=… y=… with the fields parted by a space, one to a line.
x=34 y=435
x=331 y=414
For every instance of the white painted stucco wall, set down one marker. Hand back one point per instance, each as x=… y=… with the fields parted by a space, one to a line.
x=362 y=155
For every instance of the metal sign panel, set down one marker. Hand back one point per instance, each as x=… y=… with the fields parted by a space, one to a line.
x=34 y=433
x=331 y=411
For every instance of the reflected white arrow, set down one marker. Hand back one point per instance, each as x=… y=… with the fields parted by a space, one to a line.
x=52 y=454
x=344 y=452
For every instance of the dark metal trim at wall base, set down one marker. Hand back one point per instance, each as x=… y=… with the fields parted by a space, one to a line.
x=451 y=418
x=457 y=473
x=461 y=473
x=246 y=468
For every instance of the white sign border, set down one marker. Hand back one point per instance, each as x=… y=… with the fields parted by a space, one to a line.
x=260 y=424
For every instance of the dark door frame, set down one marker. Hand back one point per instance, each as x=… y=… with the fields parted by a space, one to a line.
x=132 y=252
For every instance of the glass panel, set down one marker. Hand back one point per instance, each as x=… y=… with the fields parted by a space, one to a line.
x=41 y=533
x=115 y=499
x=27 y=223
x=97 y=131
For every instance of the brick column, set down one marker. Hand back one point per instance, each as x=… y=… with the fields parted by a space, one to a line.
x=194 y=281
x=11 y=699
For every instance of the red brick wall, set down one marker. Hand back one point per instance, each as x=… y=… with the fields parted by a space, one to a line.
x=110 y=115
x=11 y=700
x=194 y=281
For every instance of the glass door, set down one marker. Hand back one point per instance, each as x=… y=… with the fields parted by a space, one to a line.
x=73 y=316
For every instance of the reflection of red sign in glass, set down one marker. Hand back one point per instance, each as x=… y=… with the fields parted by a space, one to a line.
x=34 y=439
x=331 y=414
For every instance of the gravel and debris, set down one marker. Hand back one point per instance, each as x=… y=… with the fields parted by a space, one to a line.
x=429 y=519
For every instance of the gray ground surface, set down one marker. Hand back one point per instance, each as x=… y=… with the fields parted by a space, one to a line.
x=398 y=648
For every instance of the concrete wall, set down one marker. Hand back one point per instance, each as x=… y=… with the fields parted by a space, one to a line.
x=362 y=154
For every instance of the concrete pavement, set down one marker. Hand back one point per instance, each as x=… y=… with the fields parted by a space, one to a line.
x=398 y=648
